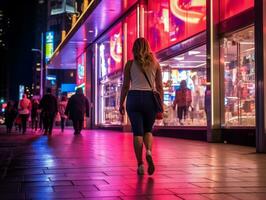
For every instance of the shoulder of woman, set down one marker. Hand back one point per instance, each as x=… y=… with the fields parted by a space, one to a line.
x=129 y=63
x=157 y=64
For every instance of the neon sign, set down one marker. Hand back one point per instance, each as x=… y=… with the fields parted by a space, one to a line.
x=81 y=63
x=110 y=52
x=171 y=21
x=188 y=11
x=116 y=47
x=49 y=45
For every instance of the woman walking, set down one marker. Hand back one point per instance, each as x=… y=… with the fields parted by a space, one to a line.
x=24 y=111
x=139 y=74
x=61 y=109
x=10 y=115
x=34 y=114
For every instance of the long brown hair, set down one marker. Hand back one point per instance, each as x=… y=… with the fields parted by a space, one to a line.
x=142 y=52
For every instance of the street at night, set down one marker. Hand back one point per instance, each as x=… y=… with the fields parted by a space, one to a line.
x=133 y=99
x=100 y=165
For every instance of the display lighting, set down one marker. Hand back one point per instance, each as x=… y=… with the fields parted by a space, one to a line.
x=166 y=20
x=251 y=49
x=201 y=55
x=188 y=15
x=193 y=52
x=200 y=65
x=179 y=58
x=191 y=61
x=247 y=43
x=102 y=61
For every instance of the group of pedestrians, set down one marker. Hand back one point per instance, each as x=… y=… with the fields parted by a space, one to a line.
x=44 y=112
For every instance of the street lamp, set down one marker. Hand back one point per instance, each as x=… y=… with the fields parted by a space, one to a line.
x=41 y=81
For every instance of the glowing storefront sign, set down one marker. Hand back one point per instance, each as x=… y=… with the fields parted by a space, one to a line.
x=116 y=47
x=49 y=45
x=110 y=52
x=21 y=91
x=186 y=12
x=81 y=63
x=171 y=21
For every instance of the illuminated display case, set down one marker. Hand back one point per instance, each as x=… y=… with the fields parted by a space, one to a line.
x=109 y=102
x=190 y=66
x=171 y=21
x=110 y=65
x=238 y=52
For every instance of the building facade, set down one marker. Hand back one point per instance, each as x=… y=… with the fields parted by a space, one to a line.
x=210 y=44
x=4 y=43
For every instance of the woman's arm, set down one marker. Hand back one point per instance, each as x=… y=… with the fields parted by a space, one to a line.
x=126 y=83
x=158 y=81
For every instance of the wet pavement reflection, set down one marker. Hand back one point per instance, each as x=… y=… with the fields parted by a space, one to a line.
x=100 y=164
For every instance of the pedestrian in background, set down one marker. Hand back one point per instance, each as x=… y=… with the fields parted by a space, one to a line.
x=61 y=109
x=34 y=114
x=48 y=104
x=183 y=99
x=10 y=115
x=139 y=74
x=24 y=108
x=77 y=107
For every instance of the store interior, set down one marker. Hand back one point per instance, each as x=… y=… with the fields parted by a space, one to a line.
x=191 y=67
x=109 y=101
x=238 y=55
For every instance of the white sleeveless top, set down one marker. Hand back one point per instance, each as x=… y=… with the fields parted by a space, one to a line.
x=138 y=80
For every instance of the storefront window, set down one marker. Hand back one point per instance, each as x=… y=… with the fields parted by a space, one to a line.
x=191 y=67
x=171 y=21
x=130 y=32
x=229 y=8
x=110 y=69
x=81 y=71
x=238 y=59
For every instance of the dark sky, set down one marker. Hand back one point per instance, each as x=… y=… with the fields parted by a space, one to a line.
x=21 y=40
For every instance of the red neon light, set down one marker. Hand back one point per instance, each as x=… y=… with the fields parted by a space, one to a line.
x=131 y=32
x=229 y=8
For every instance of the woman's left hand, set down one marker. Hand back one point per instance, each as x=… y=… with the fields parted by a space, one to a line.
x=122 y=109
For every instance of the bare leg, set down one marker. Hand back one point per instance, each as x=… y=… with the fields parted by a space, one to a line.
x=148 y=144
x=138 y=146
x=148 y=141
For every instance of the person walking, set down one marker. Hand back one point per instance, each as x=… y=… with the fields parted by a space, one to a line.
x=183 y=101
x=77 y=107
x=61 y=109
x=34 y=114
x=10 y=115
x=48 y=104
x=24 y=108
x=140 y=105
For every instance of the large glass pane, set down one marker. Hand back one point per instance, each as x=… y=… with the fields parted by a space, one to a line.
x=110 y=68
x=191 y=67
x=239 y=78
x=171 y=21
x=130 y=29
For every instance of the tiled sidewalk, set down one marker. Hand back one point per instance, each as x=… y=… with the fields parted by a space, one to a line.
x=101 y=165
